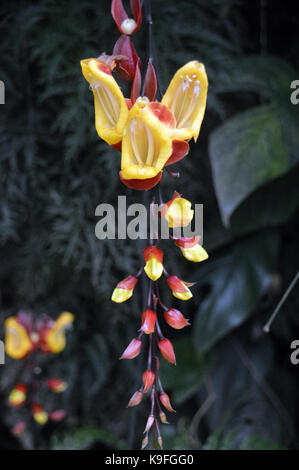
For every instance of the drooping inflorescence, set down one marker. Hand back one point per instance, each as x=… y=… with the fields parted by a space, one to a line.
x=151 y=131
x=26 y=338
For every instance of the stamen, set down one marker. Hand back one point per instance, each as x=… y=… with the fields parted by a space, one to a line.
x=151 y=147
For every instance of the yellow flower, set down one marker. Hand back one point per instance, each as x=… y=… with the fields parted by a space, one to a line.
x=196 y=253
x=111 y=110
x=186 y=98
x=153 y=258
x=147 y=143
x=55 y=338
x=17 y=341
x=177 y=211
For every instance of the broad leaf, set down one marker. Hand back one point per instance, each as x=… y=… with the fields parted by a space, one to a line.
x=237 y=280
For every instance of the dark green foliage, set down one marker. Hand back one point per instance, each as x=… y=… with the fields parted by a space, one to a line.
x=233 y=387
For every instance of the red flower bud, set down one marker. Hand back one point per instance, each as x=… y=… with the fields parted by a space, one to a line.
x=127 y=25
x=57 y=385
x=175 y=319
x=148 y=378
x=150 y=82
x=132 y=350
x=167 y=351
x=136 y=85
x=57 y=415
x=164 y=398
x=148 y=321
x=135 y=399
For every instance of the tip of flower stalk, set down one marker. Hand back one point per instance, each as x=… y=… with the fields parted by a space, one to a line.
x=144 y=442
x=128 y=26
x=163 y=418
x=160 y=442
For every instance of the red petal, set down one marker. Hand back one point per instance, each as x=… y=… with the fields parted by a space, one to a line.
x=150 y=82
x=152 y=251
x=117 y=146
x=185 y=242
x=163 y=114
x=125 y=68
x=176 y=284
x=180 y=149
x=137 y=13
x=148 y=321
x=118 y=13
x=136 y=86
x=128 y=283
x=141 y=184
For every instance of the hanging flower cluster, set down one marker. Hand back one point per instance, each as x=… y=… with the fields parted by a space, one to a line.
x=25 y=338
x=151 y=131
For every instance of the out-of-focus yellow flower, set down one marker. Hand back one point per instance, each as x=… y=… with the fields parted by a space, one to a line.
x=124 y=289
x=177 y=211
x=17 y=341
x=153 y=258
x=186 y=98
x=55 y=337
x=39 y=414
x=57 y=385
x=18 y=395
x=111 y=110
x=147 y=143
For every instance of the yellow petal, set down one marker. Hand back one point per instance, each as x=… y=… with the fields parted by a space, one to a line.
x=186 y=98
x=41 y=417
x=111 y=110
x=153 y=269
x=183 y=295
x=56 y=337
x=17 y=341
x=146 y=144
x=195 y=254
x=120 y=295
x=179 y=213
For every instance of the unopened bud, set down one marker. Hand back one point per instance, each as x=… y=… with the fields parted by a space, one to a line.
x=164 y=398
x=148 y=378
x=163 y=417
x=144 y=442
x=135 y=399
x=128 y=26
x=132 y=350
x=167 y=351
x=160 y=442
x=150 y=422
x=175 y=319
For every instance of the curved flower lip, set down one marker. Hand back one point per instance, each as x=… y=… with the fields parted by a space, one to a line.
x=186 y=97
x=141 y=184
x=196 y=253
x=54 y=340
x=120 y=16
x=111 y=111
x=147 y=143
x=17 y=341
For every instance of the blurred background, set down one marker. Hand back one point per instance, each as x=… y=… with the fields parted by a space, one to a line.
x=234 y=387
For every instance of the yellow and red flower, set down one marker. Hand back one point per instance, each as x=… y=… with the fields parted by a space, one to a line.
x=124 y=289
x=153 y=258
x=39 y=414
x=180 y=289
x=56 y=385
x=17 y=396
x=151 y=135
x=191 y=249
x=177 y=212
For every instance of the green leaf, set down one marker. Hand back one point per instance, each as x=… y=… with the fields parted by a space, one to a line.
x=237 y=279
x=185 y=379
x=83 y=438
x=246 y=152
